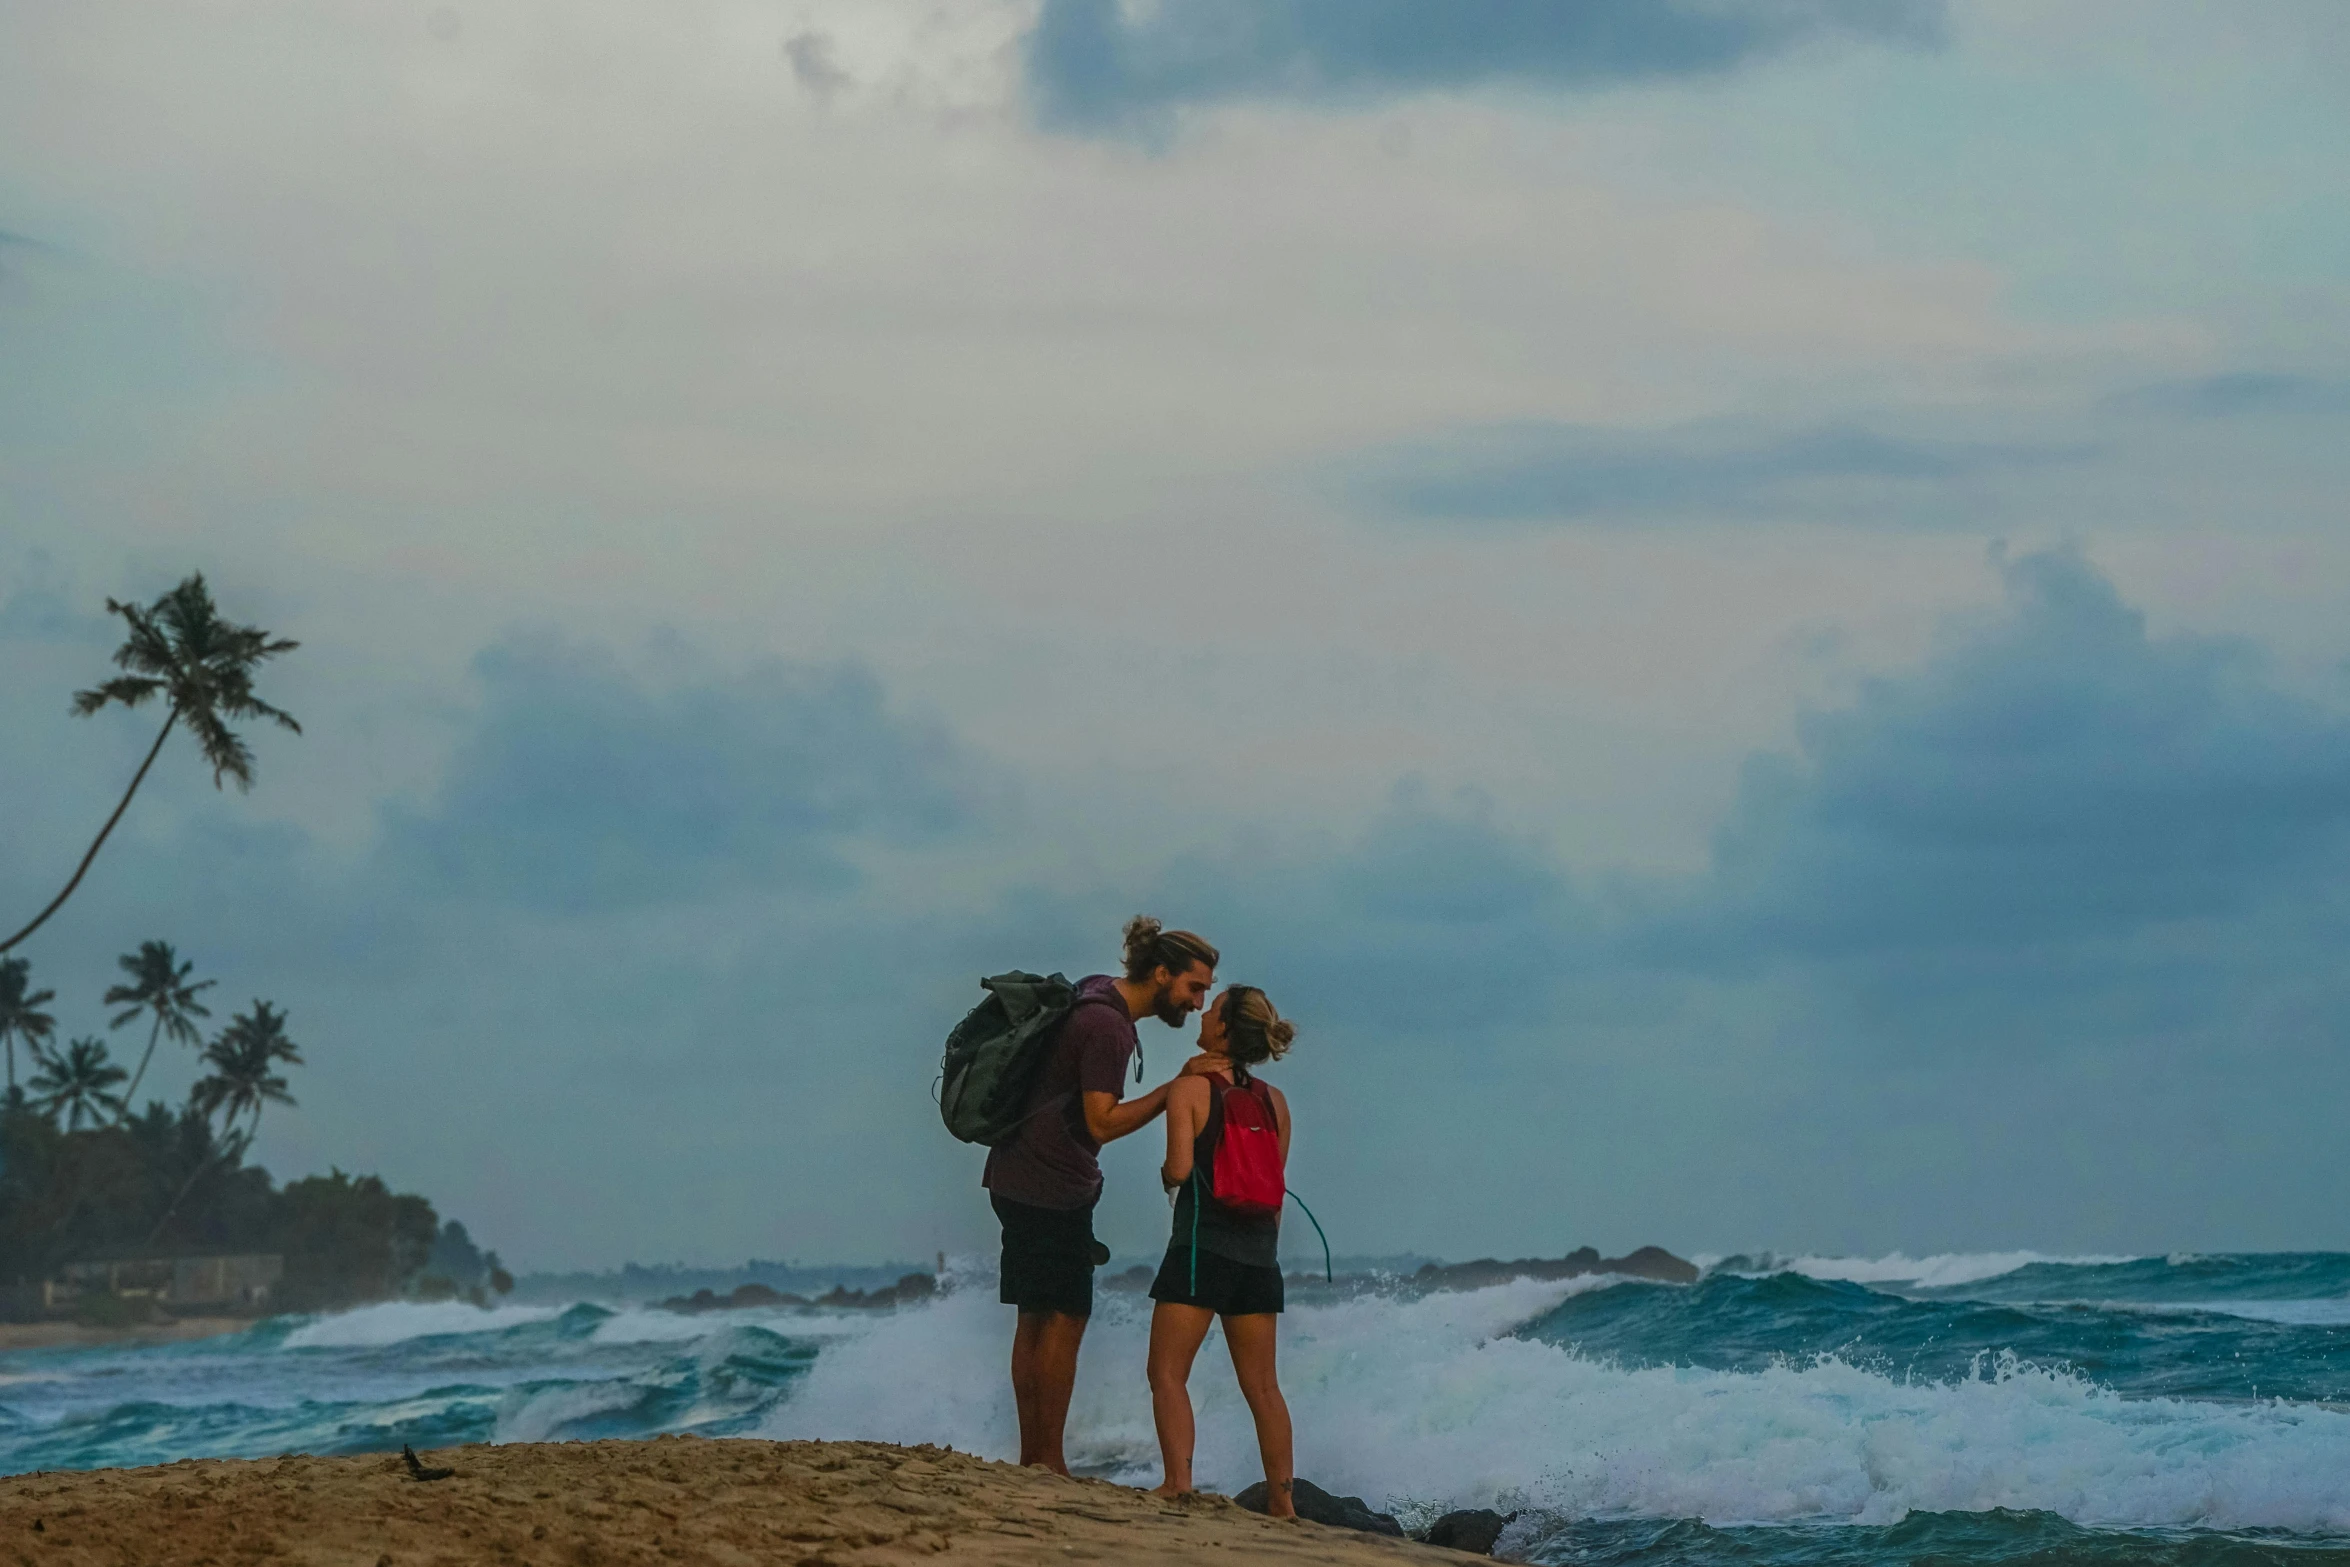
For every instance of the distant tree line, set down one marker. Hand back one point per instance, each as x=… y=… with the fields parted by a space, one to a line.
x=83 y=1177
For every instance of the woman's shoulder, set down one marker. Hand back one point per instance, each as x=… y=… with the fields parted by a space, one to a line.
x=1192 y=1089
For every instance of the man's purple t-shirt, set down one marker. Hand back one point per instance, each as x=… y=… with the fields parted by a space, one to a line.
x=1050 y=1162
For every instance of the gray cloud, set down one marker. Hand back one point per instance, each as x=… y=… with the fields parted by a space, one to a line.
x=583 y=787
x=1096 y=65
x=2055 y=830
x=812 y=64
x=2056 y=777
x=1431 y=920
x=2240 y=394
x=1565 y=472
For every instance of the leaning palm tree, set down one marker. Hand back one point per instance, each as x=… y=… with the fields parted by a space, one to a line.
x=202 y=666
x=159 y=985
x=21 y=1016
x=78 y=1083
x=243 y=1077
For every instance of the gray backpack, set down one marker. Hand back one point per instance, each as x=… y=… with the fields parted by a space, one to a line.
x=994 y=1055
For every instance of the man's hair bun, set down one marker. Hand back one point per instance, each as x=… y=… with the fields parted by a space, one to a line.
x=1150 y=945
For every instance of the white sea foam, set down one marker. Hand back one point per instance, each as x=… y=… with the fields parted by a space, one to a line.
x=1940 y=1271
x=540 y=1414
x=1430 y=1400
x=395 y=1321
x=642 y=1325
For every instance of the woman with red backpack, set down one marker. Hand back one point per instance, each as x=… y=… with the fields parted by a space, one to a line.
x=1227 y=1146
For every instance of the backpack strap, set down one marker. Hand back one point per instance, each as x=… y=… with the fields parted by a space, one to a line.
x=1110 y=999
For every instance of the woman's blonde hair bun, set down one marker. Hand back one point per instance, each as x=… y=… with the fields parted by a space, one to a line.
x=1253 y=1031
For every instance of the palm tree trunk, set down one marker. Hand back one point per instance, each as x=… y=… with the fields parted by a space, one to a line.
x=82 y=869
x=131 y=1093
x=233 y=1149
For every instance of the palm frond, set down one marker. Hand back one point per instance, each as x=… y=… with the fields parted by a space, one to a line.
x=79 y=1082
x=179 y=647
x=223 y=748
x=20 y=1004
x=129 y=690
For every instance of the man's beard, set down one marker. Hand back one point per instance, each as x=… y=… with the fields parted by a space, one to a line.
x=1169 y=1011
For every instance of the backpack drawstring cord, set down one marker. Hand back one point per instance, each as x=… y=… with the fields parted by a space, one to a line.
x=1327 y=1276
x=1195 y=1202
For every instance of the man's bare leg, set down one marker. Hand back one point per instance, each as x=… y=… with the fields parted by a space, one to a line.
x=1044 y=1376
x=1251 y=1341
x=1176 y=1335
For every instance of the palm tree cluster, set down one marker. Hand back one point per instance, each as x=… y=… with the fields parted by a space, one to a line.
x=81 y=1082
x=82 y=1176
x=80 y=1091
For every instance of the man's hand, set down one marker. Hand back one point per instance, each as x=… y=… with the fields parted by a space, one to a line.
x=1203 y=1065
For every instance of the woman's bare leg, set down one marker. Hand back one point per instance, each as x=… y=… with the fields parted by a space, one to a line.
x=1176 y=1335
x=1251 y=1341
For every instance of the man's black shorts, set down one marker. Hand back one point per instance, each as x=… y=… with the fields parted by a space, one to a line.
x=1225 y=1287
x=1049 y=1257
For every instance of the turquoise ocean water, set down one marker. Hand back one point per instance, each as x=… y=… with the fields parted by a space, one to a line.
x=1975 y=1409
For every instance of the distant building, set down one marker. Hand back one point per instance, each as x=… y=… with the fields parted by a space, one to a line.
x=235 y=1283
x=179 y=1284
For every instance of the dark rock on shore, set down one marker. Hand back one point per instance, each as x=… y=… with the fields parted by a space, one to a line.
x=914 y=1286
x=1649 y=1262
x=1472 y=1529
x=1316 y=1505
x=743 y=1295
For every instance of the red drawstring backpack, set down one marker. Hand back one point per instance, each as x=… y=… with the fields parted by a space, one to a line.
x=1247 y=1178
x=1245 y=1175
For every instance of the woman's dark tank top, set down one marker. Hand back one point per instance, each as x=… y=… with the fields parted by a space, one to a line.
x=1253 y=1240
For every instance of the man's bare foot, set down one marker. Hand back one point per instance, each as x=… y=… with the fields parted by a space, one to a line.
x=1048 y=1466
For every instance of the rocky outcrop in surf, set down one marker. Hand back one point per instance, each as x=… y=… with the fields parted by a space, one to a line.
x=911 y=1288
x=1649 y=1262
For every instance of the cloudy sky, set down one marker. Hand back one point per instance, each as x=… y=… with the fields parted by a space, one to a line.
x=1738 y=605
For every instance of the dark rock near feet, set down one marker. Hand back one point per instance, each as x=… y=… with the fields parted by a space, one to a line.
x=1316 y=1505
x=1472 y=1529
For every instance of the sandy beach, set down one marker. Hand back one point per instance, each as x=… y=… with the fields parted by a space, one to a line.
x=675 y=1499
x=82 y=1335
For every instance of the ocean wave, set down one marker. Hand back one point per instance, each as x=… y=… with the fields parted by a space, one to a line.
x=2118 y=1396
x=2228 y=1348
x=545 y=1412
x=1943 y=1270
x=394 y=1322
x=650 y=1325
x=1436 y=1401
x=2286 y=1313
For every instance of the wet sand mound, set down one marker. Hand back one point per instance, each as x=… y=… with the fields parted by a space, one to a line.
x=675 y=1499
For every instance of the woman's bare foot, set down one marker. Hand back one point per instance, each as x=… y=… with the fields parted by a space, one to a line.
x=1171 y=1492
x=1279 y=1500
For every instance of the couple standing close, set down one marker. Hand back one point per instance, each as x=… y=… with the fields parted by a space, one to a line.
x=1221 y=1261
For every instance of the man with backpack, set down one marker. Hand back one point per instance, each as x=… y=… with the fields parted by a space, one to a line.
x=1043 y=1175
